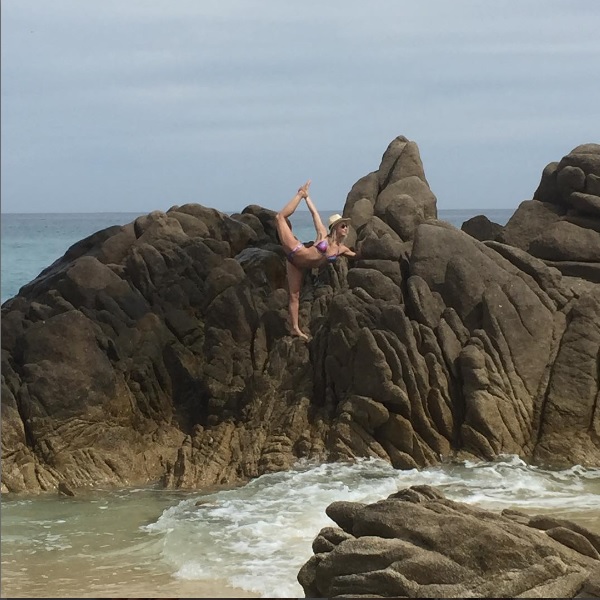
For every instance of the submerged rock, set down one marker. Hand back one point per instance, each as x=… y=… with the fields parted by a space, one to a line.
x=158 y=352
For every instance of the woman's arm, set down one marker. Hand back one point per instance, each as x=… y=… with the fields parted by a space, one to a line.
x=345 y=251
x=319 y=227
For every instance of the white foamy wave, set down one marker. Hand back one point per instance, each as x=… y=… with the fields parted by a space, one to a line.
x=51 y=542
x=510 y=482
x=257 y=537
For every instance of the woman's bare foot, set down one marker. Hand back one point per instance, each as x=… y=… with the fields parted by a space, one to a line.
x=299 y=333
x=303 y=190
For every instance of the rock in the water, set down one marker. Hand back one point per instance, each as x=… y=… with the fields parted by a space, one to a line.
x=65 y=490
x=418 y=544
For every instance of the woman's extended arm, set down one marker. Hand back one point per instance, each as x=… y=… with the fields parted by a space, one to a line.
x=345 y=251
x=319 y=227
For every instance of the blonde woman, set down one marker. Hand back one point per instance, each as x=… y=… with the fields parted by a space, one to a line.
x=328 y=246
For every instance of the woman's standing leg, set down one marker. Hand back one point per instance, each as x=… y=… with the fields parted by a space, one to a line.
x=295 y=275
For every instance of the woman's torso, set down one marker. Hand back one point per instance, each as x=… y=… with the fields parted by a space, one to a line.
x=320 y=253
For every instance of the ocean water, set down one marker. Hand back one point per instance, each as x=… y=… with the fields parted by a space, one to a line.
x=248 y=541
x=31 y=242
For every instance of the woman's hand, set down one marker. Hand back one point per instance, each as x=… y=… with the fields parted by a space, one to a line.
x=303 y=190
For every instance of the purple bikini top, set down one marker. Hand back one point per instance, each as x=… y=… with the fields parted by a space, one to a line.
x=322 y=246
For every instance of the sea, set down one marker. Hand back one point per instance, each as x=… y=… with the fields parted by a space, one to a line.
x=244 y=541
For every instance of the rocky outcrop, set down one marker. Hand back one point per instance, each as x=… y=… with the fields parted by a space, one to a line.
x=418 y=544
x=561 y=224
x=397 y=193
x=159 y=351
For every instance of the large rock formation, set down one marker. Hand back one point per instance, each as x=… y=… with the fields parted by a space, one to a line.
x=418 y=544
x=159 y=351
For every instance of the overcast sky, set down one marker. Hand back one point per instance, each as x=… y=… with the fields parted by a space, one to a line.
x=131 y=105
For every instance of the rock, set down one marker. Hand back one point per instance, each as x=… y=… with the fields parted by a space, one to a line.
x=565 y=241
x=481 y=228
x=364 y=191
x=582 y=270
x=530 y=220
x=377 y=283
x=586 y=204
x=263 y=266
x=400 y=160
x=65 y=490
x=574 y=376
x=547 y=190
x=398 y=192
x=159 y=351
x=570 y=179
x=562 y=223
x=417 y=543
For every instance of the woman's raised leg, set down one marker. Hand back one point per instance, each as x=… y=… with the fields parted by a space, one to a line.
x=287 y=238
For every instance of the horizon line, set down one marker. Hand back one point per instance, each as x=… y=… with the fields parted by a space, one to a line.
x=132 y=212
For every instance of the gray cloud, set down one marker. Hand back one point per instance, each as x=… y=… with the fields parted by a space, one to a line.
x=136 y=106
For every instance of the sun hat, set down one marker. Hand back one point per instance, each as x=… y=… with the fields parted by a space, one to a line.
x=335 y=219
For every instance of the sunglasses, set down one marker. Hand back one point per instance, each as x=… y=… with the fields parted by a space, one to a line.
x=344 y=225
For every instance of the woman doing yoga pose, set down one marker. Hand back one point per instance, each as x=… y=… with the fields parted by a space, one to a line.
x=326 y=248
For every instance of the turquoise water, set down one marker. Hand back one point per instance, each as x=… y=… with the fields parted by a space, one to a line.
x=31 y=242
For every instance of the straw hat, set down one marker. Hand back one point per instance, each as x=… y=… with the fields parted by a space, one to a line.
x=335 y=219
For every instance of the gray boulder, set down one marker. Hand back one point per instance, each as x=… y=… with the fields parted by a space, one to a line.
x=481 y=228
x=418 y=544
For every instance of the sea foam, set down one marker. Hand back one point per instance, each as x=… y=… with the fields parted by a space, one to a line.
x=258 y=536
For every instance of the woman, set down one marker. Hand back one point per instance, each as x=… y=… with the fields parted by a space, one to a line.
x=327 y=248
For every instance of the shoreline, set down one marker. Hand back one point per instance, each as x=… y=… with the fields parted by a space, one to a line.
x=223 y=539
